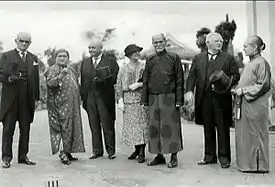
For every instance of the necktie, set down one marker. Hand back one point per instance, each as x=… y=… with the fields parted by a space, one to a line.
x=23 y=56
x=95 y=62
x=211 y=57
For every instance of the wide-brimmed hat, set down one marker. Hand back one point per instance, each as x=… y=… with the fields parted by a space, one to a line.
x=132 y=48
x=220 y=81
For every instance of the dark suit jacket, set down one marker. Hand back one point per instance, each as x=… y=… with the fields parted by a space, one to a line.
x=8 y=59
x=197 y=77
x=103 y=87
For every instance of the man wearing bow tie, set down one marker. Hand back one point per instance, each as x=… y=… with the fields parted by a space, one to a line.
x=20 y=77
x=98 y=77
x=213 y=110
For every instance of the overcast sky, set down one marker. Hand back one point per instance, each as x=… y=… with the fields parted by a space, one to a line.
x=62 y=24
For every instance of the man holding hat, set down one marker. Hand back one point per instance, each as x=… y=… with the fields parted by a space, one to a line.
x=213 y=72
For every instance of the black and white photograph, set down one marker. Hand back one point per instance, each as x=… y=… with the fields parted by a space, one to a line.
x=137 y=93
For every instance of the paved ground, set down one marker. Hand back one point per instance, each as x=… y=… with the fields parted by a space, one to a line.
x=121 y=172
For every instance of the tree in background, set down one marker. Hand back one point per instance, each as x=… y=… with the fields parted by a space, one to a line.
x=105 y=36
x=201 y=38
x=227 y=30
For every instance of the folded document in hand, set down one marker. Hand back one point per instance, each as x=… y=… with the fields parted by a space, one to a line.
x=103 y=73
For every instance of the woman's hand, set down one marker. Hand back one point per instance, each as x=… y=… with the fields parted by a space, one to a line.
x=238 y=91
x=121 y=104
x=135 y=86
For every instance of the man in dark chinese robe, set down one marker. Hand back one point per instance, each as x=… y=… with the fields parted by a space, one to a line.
x=163 y=91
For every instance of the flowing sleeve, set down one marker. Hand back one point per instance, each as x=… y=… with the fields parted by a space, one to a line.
x=119 y=88
x=179 y=81
x=52 y=78
x=262 y=76
x=145 y=77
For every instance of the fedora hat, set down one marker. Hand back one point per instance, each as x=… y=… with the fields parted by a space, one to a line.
x=220 y=81
x=132 y=48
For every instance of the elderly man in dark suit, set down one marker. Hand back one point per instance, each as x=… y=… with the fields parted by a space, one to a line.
x=20 y=78
x=98 y=77
x=213 y=102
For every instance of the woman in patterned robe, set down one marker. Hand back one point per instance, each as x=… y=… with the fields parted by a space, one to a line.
x=63 y=103
x=253 y=120
x=129 y=88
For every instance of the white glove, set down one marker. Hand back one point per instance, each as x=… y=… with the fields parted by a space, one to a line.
x=121 y=104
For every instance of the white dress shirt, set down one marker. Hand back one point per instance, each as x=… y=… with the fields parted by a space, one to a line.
x=97 y=59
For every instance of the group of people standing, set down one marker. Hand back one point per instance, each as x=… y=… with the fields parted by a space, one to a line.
x=149 y=94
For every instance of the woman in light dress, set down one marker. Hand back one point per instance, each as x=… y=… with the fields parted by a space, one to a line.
x=252 y=104
x=129 y=87
x=63 y=103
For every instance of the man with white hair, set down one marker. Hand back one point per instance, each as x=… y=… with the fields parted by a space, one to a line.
x=213 y=73
x=163 y=94
x=98 y=77
x=20 y=77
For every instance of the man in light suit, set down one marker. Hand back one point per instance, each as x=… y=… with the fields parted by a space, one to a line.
x=20 y=77
x=98 y=77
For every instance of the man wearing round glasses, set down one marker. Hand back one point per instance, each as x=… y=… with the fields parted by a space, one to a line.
x=20 y=77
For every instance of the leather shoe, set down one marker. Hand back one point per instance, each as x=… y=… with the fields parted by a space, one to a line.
x=173 y=162
x=113 y=156
x=133 y=156
x=26 y=161
x=205 y=162
x=95 y=156
x=71 y=158
x=225 y=165
x=157 y=160
x=141 y=158
x=6 y=164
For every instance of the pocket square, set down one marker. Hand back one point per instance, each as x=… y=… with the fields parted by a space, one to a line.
x=35 y=63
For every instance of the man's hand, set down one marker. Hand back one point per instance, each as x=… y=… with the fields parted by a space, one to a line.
x=12 y=78
x=121 y=104
x=189 y=98
x=135 y=86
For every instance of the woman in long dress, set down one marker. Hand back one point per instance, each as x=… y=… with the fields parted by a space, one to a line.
x=252 y=104
x=129 y=87
x=63 y=103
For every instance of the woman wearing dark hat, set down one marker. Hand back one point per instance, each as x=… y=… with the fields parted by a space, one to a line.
x=129 y=87
x=63 y=103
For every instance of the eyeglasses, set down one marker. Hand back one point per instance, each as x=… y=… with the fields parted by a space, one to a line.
x=25 y=41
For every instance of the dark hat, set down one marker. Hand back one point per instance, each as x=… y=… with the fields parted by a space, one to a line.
x=132 y=48
x=220 y=81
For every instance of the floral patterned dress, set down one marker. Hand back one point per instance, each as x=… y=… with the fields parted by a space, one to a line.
x=63 y=103
x=135 y=115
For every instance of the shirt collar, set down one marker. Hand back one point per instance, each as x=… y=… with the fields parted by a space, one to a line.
x=98 y=57
x=210 y=55
x=20 y=51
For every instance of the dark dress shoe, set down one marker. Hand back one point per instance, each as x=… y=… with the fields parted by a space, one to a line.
x=157 y=160
x=133 y=156
x=6 y=164
x=111 y=157
x=64 y=158
x=95 y=156
x=26 y=161
x=225 y=165
x=141 y=158
x=71 y=158
x=205 y=162
x=173 y=163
